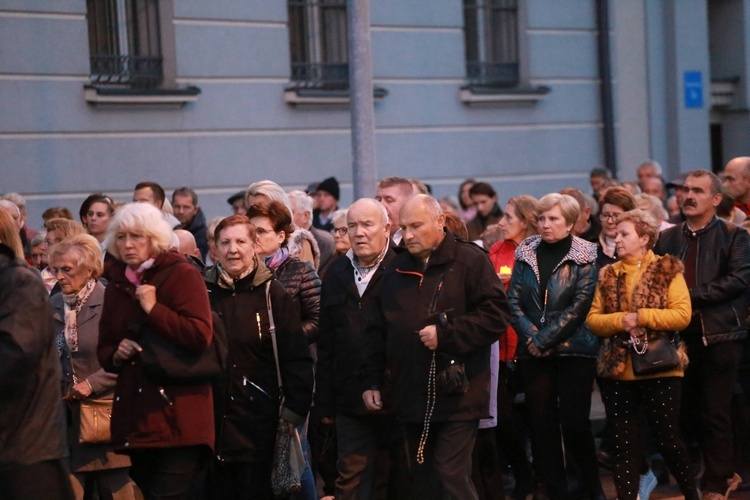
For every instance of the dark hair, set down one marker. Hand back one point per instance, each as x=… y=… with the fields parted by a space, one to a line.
x=87 y=204
x=58 y=213
x=97 y=198
x=461 y=190
x=482 y=188
x=619 y=197
x=456 y=225
x=725 y=209
x=600 y=172
x=154 y=187
x=716 y=185
x=234 y=220
x=186 y=191
x=277 y=213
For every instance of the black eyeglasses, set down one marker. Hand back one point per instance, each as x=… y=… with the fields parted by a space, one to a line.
x=608 y=217
x=340 y=231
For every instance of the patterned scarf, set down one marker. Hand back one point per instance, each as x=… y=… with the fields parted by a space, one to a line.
x=136 y=277
x=226 y=281
x=73 y=302
x=275 y=260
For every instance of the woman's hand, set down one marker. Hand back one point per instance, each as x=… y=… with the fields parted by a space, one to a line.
x=630 y=321
x=146 y=295
x=504 y=278
x=80 y=391
x=126 y=350
x=534 y=350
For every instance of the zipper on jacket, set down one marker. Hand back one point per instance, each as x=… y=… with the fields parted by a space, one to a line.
x=414 y=273
x=544 y=306
x=703 y=330
x=436 y=296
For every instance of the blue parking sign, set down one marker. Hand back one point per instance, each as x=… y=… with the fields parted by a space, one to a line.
x=693 y=83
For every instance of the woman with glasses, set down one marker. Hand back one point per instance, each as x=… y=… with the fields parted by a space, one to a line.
x=614 y=201
x=340 y=232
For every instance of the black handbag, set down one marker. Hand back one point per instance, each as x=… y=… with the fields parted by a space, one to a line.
x=653 y=353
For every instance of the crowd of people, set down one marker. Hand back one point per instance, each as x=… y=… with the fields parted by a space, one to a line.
x=421 y=348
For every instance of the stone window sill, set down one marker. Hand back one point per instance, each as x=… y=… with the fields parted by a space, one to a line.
x=104 y=96
x=476 y=96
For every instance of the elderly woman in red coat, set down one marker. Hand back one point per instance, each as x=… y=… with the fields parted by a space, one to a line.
x=168 y=430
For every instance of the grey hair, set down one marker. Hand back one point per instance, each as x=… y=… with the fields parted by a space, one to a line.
x=141 y=217
x=339 y=214
x=301 y=200
x=269 y=189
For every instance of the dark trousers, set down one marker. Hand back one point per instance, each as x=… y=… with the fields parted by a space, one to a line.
x=370 y=451
x=48 y=480
x=447 y=460
x=240 y=481
x=510 y=433
x=706 y=401
x=558 y=402
x=168 y=473
x=659 y=401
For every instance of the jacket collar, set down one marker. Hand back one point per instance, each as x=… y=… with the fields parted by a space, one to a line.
x=443 y=254
x=89 y=310
x=581 y=252
x=695 y=234
x=258 y=277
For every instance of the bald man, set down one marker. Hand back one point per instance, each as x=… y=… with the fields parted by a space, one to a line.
x=347 y=300
x=440 y=308
x=736 y=180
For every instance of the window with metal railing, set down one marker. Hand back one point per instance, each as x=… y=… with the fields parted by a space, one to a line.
x=492 y=43
x=125 y=42
x=318 y=44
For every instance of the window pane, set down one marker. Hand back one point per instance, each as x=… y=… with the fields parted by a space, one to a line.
x=318 y=43
x=491 y=34
x=124 y=42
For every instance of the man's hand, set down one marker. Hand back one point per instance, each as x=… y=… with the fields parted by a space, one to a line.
x=372 y=400
x=428 y=336
x=146 y=295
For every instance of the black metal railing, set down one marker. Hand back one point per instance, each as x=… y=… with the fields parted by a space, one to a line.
x=492 y=74
x=333 y=76
x=139 y=71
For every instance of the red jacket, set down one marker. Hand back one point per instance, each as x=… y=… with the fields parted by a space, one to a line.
x=503 y=254
x=141 y=416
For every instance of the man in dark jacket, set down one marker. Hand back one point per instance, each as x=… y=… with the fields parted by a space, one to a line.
x=32 y=430
x=191 y=217
x=716 y=255
x=347 y=297
x=441 y=306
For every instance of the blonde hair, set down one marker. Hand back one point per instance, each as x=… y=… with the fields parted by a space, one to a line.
x=527 y=210
x=84 y=248
x=144 y=218
x=9 y=234
x=568 y=206
x=67 y=227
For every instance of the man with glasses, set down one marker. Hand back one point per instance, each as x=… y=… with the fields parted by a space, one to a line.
x=716 y=255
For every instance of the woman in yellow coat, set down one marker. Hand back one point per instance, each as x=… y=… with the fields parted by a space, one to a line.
x=639 y=298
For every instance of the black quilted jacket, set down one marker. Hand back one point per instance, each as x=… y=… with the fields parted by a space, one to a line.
x=303 y=284
x=570 y=291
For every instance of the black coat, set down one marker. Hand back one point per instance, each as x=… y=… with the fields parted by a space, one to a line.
x=32 y=428
x=247 y=402
x=460 y=282
x=302 y=283
x=342 y=341
x=722 y=275
x=570 y=292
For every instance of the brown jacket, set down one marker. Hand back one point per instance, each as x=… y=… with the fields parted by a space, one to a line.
x=142 y=417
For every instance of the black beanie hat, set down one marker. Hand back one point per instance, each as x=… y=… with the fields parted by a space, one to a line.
x=330 y=185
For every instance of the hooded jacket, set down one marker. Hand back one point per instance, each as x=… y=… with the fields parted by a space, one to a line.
x=247 y=401
x=570 y=291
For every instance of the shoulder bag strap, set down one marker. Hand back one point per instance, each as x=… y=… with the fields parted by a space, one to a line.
x=272 y=330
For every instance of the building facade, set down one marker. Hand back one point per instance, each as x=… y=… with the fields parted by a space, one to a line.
x=98 y=95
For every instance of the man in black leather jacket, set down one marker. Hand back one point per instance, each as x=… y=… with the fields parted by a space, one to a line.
x=716 y=255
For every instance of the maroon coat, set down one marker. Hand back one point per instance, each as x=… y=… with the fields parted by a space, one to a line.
x=141 y=416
